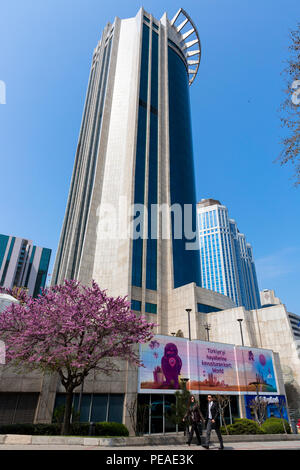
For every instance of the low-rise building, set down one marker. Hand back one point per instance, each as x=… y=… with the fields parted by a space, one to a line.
x=267 y=337
x=23 y=264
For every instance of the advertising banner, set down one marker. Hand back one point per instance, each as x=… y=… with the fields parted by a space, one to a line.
x=166 y=361
x=209 y=367
x=212 y=367
x=255 y=370
x=276 y=405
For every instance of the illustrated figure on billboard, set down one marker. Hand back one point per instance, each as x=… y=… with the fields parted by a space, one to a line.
x=157 y=372
x=171 y=365
x=262 y=360
x=250 y=356
x=269 y=376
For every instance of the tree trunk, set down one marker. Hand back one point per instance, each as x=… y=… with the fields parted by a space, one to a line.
x=223 y=420
x=256 y=416
x=282 y=417
x=65 y=430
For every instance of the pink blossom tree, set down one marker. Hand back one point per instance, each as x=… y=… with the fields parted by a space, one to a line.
x=72 y=329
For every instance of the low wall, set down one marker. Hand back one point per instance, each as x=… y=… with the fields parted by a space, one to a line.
x=160 y=440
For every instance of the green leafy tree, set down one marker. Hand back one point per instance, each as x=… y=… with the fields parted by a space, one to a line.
x=178 y=410
x=59 y=412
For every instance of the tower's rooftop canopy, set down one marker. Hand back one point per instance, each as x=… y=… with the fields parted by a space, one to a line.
x=190 y=43
x=208 y=202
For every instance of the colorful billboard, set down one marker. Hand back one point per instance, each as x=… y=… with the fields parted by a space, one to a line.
x=212 y=367
x=209 y=367
x=255 y=370
x=165 y=362
x=276 y=405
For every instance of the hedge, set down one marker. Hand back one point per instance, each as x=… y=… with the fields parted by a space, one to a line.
x=243 y=426
x=100 y=429
x=275 y=426
x=111 y=429
x=77 y=429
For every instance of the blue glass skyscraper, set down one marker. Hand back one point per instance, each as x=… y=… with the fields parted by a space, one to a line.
x=227 y=264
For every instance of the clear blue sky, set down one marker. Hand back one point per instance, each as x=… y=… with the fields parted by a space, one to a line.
x=45 y=53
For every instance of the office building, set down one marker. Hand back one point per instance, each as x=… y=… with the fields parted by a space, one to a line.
x=134 y=148
x=227 y=264
x=23 y=264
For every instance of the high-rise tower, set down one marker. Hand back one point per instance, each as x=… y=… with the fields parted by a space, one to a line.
x=135 y=149
x=227 y=264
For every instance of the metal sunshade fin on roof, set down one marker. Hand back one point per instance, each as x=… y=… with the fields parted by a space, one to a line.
x=193 y=64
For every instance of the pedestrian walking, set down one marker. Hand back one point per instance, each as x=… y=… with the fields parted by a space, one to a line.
x=213 y=421
x=195 y=418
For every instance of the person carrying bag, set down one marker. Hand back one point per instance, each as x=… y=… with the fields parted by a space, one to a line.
x=195 y=418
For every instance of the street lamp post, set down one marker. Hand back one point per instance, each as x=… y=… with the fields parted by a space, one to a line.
x=240 y=322
x=256 y=387
x=207 y=327
x=184 y=380
x=188 y=310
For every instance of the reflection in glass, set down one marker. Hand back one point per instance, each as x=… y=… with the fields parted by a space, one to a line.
x=156 y=414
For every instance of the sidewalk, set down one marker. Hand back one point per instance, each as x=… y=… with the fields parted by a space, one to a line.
x=239 y=446
x=152 y=442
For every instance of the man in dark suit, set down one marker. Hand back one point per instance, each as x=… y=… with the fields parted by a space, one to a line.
x=213 y=421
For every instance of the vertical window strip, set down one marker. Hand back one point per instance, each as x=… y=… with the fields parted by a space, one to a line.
x=3 y=244
x=7 y=260
x=140 y=159
x=42 y=271
x=30 y=265
x=151 y=261
x=186 y=266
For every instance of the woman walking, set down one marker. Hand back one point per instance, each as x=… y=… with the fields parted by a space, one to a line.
x=194 y=417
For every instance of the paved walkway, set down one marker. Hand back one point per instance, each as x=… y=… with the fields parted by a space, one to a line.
x=279 y=445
